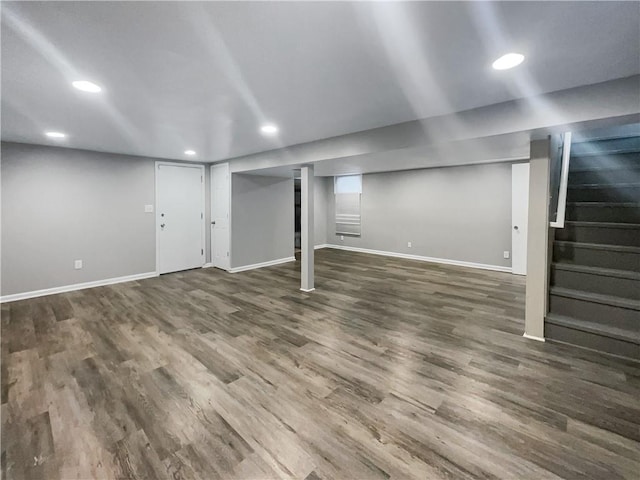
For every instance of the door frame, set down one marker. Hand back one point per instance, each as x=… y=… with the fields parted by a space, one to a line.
x=211 y=199
x=203 y=204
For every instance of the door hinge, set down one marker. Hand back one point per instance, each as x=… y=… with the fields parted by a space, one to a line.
x=200 y=178
x=227 y=254
x=201 y=251
x=201 y=215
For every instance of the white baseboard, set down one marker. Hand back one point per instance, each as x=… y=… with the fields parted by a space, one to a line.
x=207 y=265
x=261 y=265
x=445 y=261
x=77 y=286
x=307 y=290
x=532 y=337
x=323 y=245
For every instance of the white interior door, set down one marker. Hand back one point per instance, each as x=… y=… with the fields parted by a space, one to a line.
x=220 y=206
x=179 y=216
x=519 y=217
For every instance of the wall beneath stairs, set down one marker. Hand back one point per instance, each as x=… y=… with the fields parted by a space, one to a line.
x=454 y=213
x=61 y=204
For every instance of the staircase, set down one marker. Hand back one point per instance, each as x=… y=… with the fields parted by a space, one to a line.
x=594 y=296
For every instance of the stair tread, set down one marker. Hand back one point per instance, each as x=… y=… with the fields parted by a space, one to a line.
x=600 y=246
x=614 y=151
x=606 y=272
x=603 y=167
x=605 y=185
x=577 y=139
x=578 y=223
x=605 y=204
x=594 y=327
x=596 y=298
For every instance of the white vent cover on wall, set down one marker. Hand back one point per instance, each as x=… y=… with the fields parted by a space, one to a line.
x=347 y=189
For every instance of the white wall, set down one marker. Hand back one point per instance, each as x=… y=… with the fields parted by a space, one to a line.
x=454 y=213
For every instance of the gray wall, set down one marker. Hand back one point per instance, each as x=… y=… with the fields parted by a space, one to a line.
x=62 y=204
x=455 y=213
x=321 y=198
x=261 y=219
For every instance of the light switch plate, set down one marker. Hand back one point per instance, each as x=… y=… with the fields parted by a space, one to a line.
x=77 y=264
x=409 y=244
x=148 y=209
x=506 y=254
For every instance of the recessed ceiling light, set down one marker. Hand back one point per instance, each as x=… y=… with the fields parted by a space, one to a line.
x=508 y=61
x=86 y=86
x=55 y=134
x=269 y=129
x=189 y=152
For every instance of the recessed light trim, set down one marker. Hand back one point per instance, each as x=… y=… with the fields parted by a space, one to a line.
x=508 y=61
x=86 y=86
x=55 y=134
x=190 y=152
x=269 y=129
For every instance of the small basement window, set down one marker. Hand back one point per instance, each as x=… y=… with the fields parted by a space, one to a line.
x=347 y=190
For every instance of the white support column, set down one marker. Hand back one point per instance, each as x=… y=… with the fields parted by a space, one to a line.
x=307 y=227
x=537 y=286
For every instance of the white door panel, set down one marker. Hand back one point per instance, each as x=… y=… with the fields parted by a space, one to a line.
x=180 y=217
x=220 y=213
x=519 y=217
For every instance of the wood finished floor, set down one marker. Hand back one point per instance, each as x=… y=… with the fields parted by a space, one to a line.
x=390 y=369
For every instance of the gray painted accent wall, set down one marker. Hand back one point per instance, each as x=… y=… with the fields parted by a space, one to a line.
x=60 y=204
x=262 y=221
x=455 y=213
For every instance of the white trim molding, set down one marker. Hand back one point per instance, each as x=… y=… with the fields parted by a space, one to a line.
x=270 y=263
x=77 y=286
x=323 y=245
x=207 y=265
x=532 y=337
x=307 y=290
x=444 y=261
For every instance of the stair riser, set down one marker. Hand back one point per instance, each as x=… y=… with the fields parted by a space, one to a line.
x=596 y=257
x=614 y=214
x=619 y=161
x=595 y=312
x=603 y=147
x=603 y=235
x=591 y=340
x=614 y=193
x=604 y=177
x=593 y=283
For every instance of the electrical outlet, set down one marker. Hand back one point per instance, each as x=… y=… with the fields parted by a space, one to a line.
x=148 y=209
x=506 y=254
x=77 y=264
x=341 y=237
x=409 y=244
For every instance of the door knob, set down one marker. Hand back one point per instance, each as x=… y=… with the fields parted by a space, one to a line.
x=213 y=223
x=162 y=225
x=515 y=227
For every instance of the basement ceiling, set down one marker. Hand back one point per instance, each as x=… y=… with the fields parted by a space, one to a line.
x=206 y=76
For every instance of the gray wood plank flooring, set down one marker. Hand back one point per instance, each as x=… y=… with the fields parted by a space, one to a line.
x=390 y=369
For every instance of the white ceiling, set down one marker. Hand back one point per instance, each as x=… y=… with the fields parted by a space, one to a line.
x=205 y=76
